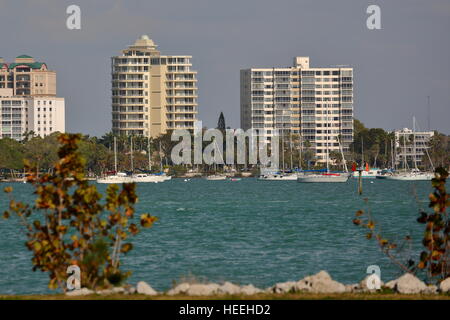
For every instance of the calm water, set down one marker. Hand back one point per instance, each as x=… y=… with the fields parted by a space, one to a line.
x=248 y=231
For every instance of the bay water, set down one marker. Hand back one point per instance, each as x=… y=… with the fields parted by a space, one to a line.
x=247 y=231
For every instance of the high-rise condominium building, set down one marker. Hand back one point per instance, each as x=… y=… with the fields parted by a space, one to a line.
x=28 y=99
x=313 y=103
x=152 y=93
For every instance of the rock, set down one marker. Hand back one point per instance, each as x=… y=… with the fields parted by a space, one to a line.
x=284 y=287
x=320 y=283
x=79 y=292
x=444 y=286
x=302 y=286
x=229 y=288
x=118 y=290
x=250 y=289
x=111 y=291
x=352 y=287
x=391 y=284
x=131 y=290
x=409 y=284
x=431 y=289
x=104 y=292
x=143 y=288
x=182 y=288
x=363 y=285
x=203 y=289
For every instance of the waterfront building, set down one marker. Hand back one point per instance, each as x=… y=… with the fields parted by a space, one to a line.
x=42 y=115
x=411 y=144
x=28 y=99
x=152 y=93
x=311 y=102
x=26 y=77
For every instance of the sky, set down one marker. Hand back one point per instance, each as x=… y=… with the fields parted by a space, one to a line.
x=395 y=68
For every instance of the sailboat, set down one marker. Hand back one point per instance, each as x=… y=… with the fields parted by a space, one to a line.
x=142 y=177
x=122 y=177
x=327 y=177
x=215 y=176
x=365 y=172
x=415 y=174
x=281 y=175
x=116 y=177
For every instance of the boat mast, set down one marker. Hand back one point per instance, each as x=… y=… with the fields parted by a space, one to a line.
x=362 y=152
x=149 y=155
x=300 y=152
x=160 y=157
x=115 y=155
x=326 y=136
x=392 y=155
x=131 y=153
x=282 y=149
x=342 y=154
x=290 y=147
x=405 y=164
x=414 y=142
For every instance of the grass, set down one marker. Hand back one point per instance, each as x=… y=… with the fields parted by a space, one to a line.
x=262 y=296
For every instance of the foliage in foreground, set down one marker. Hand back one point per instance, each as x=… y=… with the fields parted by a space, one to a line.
x=68 y=225
x=435 y=257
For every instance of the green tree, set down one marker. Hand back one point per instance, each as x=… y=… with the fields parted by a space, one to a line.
x=42 y=152
x=11 y=154
x=221 y=122
x=439 y=151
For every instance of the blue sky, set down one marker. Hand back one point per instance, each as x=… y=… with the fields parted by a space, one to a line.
x=396 y=68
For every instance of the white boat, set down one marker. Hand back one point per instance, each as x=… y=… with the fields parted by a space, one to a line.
x=278 y=177
x=415 y=174
x=216 y=177
x=370 y=174
x=324 y=177
x=143 y=177
x=120 y=177
x=166 y=177
x=327 y=177
x=117 y=177
x=411 y=176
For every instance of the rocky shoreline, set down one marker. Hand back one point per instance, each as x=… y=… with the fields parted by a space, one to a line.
x=318 y=283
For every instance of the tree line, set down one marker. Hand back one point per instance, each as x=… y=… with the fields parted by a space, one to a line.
x=371 y=145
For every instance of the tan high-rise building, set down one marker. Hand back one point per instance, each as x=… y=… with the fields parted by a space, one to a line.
x=315 y=103
x=26 y=77
x=152 y=93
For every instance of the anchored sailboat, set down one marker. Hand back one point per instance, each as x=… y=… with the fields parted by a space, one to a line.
x=328 y=177
x=415 y=174
x=122 y=177
x=216 y=176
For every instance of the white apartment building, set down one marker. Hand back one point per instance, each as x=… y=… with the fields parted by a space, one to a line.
x=411 y=144
x=19 y=114
x=314 y=103
x=152 y=93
